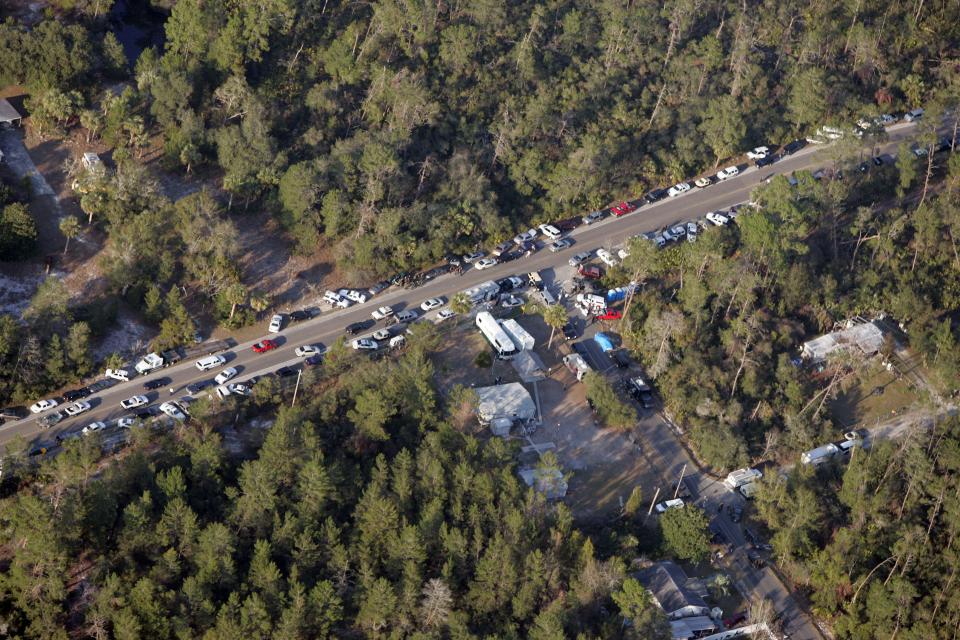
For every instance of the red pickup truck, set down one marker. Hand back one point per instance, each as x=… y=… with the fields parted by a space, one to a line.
x=591 y=271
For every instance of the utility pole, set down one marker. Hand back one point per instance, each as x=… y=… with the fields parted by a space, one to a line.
x=653 y=502
x=682 y=471
x=294 y=401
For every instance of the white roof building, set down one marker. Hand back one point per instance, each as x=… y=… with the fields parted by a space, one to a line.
x=511 y=400
x=866 y=337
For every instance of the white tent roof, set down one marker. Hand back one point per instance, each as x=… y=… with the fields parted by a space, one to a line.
x=510 y=400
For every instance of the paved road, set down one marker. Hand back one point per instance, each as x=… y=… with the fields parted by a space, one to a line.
x=329 y=326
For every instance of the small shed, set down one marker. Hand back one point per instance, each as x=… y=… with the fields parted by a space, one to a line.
x=520 y=336
x=549 y=482
x=9 y=115
x=510 y=400
x=501 y=427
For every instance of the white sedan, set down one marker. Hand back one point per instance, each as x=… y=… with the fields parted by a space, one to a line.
x=303 y=351
x=43 y=405
x=758 y=152
x=382 y=312
x=431 y=304
x=486 y=263
x=365 y=343
x=126 y=423
x=276 y=323
x=226 y=374
x=93 y=427
x=665 y=506
x=173 y=410
x=133 y=402
x=77 y=408
x=381 y=334
x=677 y=189
x=445 y=314
x=358 y=296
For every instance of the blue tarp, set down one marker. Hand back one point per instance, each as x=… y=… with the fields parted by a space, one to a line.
x=604 y=341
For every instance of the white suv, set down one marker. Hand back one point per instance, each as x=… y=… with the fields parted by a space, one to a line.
x=729 y=172
x=607 y=257
x=550 y=231
x=717 y=218
x=382 y=312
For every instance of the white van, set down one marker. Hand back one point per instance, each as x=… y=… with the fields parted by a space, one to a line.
x=211 y=362
x=547 y=297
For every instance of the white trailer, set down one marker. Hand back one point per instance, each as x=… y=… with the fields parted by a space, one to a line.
x=740 y=477
x=495 y=334
x=820 y=454
x=521 y=337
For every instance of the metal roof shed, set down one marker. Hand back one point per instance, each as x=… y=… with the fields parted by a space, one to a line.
x=510 y=400
x=529 y=366
x=9 y=115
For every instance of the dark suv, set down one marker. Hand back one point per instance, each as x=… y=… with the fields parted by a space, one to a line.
x=793 y=147
x=356 y=327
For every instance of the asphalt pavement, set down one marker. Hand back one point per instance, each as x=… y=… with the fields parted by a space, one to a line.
x=330 y=325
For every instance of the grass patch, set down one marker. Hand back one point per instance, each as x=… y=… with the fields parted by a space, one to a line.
x=877 y=395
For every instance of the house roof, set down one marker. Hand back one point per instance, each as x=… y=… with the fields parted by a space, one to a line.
x=7 y=112
x=866 y=336
x=686 y=628
x=510 y=400
x=668 y=584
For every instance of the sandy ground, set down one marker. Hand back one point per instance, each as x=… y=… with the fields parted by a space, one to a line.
x=603 y=465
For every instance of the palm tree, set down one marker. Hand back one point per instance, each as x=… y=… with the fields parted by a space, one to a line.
x=555 y=316
x=459 y=304
x=236 y=294
x=70 y=228
x=259 y=302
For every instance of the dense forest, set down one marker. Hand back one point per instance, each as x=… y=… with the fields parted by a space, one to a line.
x=721 y=321
x=395 y=133
x=875 y=541
x=366 y=511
